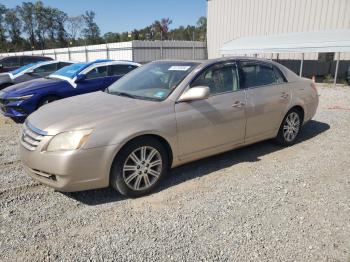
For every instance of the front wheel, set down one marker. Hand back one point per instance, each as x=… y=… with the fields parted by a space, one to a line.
x=290 y=128
x=139 y=167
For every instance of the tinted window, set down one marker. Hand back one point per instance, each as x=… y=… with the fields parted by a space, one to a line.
x=97 y=72
x=279 y=76
x=10 y=61
x=120 y=69
x=45 y=69
x=29 y=59
x=256 y=74
x=219 y=78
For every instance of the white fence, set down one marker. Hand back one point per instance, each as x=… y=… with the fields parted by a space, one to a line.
x=138 y=51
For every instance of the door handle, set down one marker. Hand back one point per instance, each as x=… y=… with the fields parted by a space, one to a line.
x=238 y=104
x=284 y=95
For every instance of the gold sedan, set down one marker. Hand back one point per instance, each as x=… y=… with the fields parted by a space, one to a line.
x=162 y=115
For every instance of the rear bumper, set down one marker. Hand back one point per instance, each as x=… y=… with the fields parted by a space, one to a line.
x=71 y=170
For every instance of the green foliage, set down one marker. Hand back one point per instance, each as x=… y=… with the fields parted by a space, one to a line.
x=328 y=79
x=32 y=25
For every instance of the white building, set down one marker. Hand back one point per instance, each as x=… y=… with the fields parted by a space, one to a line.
x=232 y=19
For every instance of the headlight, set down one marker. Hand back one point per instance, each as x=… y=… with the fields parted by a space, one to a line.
x=68 y=140
x=19 y=98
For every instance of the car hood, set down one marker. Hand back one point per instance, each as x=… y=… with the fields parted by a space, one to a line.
x=32 y=85
x=88 y=111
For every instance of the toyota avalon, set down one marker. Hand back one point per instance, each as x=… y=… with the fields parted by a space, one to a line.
x=160 y=116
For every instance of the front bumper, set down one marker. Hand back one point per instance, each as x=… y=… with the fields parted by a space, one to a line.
x=13 y=109
x=69 y=171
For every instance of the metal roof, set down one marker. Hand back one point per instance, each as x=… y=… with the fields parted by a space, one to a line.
x=301 y=42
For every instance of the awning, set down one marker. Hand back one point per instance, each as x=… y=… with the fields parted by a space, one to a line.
x=301 y=42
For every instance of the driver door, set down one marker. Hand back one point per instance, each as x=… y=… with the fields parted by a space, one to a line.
x=215 y=124
x=95 y=81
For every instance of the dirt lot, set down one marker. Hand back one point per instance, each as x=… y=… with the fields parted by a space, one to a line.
x=261 y=202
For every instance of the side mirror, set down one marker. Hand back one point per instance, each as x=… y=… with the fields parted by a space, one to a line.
x=80 y=77
x=195 y=93
x=31 y=71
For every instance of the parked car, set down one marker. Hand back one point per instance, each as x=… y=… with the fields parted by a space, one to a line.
x=30 y=72
x=20 y=100
x=10 y=63
x=162 y=115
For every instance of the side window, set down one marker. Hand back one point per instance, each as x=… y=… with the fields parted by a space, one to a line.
x=120 y=69
x=42 y=70
x=219 y=79
x=30 y=59
x=97 y=72
x=62 y=64
x=256 y=74
x=10 y=61
x=279 y=76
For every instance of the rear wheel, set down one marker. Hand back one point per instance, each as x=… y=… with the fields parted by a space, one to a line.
x=139 y=167
x=290 y=128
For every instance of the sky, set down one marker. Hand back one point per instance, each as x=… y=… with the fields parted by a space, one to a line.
x=126 y=15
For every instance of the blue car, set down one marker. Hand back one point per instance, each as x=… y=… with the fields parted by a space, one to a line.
x=31 y=71
x=20 y=100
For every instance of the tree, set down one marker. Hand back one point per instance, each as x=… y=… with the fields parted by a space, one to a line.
x=160 y=28
x=42 y=20
x=202 y=28
x=91 y=31
x=111 y=37
x=2 y=28
x=74 y=26
x=60 y=19
x=27 y=11
x=13 y=26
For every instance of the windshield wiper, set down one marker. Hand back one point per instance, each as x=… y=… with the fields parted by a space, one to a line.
x=124 y=94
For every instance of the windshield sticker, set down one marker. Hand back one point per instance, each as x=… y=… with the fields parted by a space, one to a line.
x=159 y=94
x=179 y=68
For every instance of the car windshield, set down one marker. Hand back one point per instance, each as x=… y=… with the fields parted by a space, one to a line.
x=22 y=68
x=70 y=71
x=154 y=81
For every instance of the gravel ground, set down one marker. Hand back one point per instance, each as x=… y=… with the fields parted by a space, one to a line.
x=259 y=203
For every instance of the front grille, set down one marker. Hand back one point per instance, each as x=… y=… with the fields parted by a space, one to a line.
x=31 y=136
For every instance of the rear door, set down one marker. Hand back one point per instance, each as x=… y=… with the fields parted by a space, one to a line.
x=268 y=97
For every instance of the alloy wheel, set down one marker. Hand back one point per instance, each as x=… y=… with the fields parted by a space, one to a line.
x=291 y=126
x=142 y=168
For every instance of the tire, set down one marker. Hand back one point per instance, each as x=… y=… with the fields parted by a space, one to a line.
x=132 y=174
x=18 y=120
x=47 y=100
x=290 y=128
